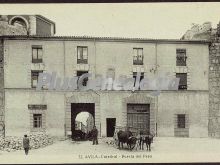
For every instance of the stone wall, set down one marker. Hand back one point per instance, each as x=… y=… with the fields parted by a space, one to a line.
x=214 y=85
x=1 y=88
x=6 y=29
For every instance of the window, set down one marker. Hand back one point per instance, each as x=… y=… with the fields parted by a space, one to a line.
x=135 y=76
x=37 y=117
x=183 y=80
x=181 y=57
x=79 y=73
x=137 y=56
x=34 y=78
x=82 y=54
x=37 y=120
x=37 y=54
x=181 y=121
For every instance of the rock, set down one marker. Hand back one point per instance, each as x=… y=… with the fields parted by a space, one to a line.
x=37 y=140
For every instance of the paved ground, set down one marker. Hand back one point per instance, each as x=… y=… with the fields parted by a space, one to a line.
x=163 y=150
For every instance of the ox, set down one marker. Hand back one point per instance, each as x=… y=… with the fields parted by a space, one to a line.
x=126 y=137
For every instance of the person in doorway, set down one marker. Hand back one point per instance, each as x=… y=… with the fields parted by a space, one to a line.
x=94 y=133
x=26 y=144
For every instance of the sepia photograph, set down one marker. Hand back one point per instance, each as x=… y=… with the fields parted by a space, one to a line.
x=110 y=82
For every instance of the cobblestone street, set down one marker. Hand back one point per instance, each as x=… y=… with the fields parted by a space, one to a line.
x=163 y=150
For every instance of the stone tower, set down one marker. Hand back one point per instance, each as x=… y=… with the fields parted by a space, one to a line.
x=214 y=84
x=26 y=25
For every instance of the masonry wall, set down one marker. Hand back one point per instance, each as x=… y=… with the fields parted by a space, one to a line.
x=2 y=109
x=18 y=116
x=214 y=86
x=61 y=56
x=194 y=104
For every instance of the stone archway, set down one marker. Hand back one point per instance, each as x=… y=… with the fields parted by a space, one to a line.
x=82 y=97
x=20 y=19
x=141 y=98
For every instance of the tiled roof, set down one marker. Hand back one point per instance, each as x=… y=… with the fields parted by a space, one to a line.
x=120 y=39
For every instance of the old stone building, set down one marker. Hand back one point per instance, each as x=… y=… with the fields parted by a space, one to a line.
x=182 y=112
x=26 y=25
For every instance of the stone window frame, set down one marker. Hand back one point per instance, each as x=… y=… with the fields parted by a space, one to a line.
x=80 y=57
x=137 y=58
x=134 y=75
x=186 y=84
x=181 y=57
x=37 y=111
x=37 y=117
x=181 y=132
x=37 y=48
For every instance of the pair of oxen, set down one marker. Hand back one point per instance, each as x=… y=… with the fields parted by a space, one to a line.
x=132 y=141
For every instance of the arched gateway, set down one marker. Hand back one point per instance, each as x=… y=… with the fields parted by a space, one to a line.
x=81 y=102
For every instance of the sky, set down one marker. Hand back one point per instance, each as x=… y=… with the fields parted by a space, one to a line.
x=141 y=20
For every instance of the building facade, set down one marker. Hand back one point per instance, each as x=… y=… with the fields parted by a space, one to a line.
x=60 y=55
x=183 y=112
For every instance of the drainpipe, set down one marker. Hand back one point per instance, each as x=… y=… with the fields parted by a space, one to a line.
x=3 y=83
x=156 y=117
x=64 y=74
x=94 y=42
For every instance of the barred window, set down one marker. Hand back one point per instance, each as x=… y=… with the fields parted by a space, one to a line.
x=138 y=56
x=181 y=121
x=183 y=80
x=37 y=120
x=37 y=54
x=82 y=54
x=181 y=57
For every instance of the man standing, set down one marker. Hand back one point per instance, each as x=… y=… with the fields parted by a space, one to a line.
x=94 y=133
x=26 y=144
